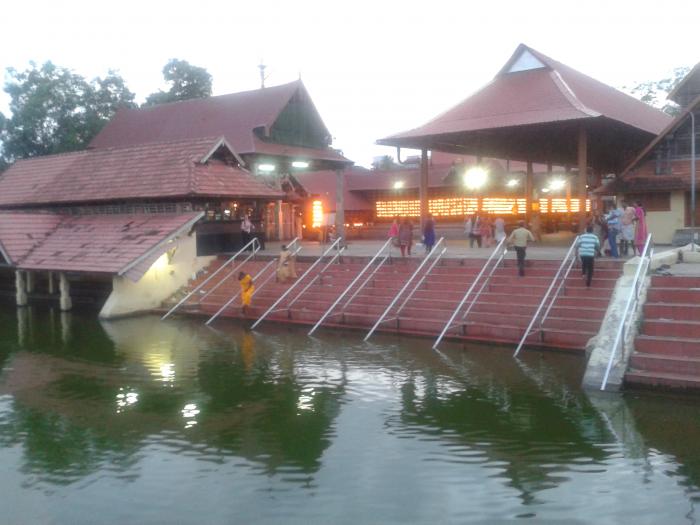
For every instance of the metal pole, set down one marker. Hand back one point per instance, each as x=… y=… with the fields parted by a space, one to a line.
x=692 y=179
x=340 y=204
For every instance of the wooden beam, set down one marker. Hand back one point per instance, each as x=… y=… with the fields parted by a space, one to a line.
x=582 y=176
x=423 y=187
x=340 y=204
x=529 y=190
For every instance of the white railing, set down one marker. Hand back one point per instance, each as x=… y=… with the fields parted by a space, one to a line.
x=630 y=306
x=254 y=243
x=381 y=250
x=405 y=286
x=335 y=245
x=569 y=258
x=259 y=286
x=498 y=250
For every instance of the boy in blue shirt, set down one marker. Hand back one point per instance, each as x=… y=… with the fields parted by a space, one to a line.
x=587 y=244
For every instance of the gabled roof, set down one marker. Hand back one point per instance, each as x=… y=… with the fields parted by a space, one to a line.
x=670 y=128
x=688 y=88
x=110 y=244
x=534 y=89
x=181 y=168
x=235 y=116
x=323 y=185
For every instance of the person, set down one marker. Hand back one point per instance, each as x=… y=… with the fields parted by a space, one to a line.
x=406 y=237
x=285 y=265
x=518 y=238
x=536 y=225
x=485 y=231
x=640 y=232
x=499 y=227
x=614 y=225
x=468 y=227
x=627 y=228
x=597 y=224
x=429 y=233
x=587 y=245
x=247 y=291
x=246 y=230
x=394 y=232
x=475 y=233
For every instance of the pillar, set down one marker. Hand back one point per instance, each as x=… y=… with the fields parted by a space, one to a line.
x=52 y=284
x=30 y=283
x=64 y=287
x=529 y=190
x=340 y=204
x=20 y=288
x=582 y=176
x=423 y=188
x=279 y=220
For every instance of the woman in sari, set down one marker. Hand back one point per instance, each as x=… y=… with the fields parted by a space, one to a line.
x=247 y=291
x=285 y=265
x=641 y=232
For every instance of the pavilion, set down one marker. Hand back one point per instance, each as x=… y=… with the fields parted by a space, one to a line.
x=538 y=110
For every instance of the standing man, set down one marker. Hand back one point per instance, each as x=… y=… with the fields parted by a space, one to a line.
x=518 y=238
x=587 y=244
x=614 y=226
x=246 y=231
x=429 y=234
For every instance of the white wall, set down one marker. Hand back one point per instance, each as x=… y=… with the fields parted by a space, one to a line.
x=161 y=281
x=662 y=224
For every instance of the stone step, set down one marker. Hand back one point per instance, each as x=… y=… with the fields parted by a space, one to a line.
x=677 y=346
x=671 y=328
x=665 y=364
x=674 y=295
x=668 y=381
x=678 y=312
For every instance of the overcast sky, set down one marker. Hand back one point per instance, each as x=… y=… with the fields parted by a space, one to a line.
x=373 y=68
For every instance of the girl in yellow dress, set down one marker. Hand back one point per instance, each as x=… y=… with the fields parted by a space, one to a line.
x=247 y=290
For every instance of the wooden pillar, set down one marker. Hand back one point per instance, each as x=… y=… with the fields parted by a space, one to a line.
x=582 y=176
x=64 y=286
x=529 y=190
x=30 y=282
x=52 y=284
x=423 y=188
x=279 y=221
x=340 y=204
x=20 y=288
x=568 y=191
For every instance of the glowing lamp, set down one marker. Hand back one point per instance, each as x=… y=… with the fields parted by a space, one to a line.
x=300 y=164
x=266 y=168
x=399 y=184
x=512 y=183
x=316 y=214
x=474 y=178
x=545 y=190
x=557 y=184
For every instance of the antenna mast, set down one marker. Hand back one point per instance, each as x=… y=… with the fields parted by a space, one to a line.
x=262 y=67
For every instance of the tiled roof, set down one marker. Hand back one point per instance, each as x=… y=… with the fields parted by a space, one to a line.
x=283 y=150
x=110 y=244
x=323 y=184
x=547 y=94
x=158 y=170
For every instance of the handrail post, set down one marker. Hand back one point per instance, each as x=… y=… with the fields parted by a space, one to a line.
x=644 y=260
x=340 y=297
x=485 y=283
x=421 y=281
x=544 y=299
x=448 y=325
x=282 y=297
x=403 y=289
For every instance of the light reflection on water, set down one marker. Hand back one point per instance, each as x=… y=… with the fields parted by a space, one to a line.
x=193 y=425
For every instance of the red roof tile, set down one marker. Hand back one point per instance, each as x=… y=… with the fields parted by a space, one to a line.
x=111 y=244
x=547 y=94
x=158 y=170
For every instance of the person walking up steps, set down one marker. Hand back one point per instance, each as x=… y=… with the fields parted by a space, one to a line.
x=586 y=246
x=518 y=238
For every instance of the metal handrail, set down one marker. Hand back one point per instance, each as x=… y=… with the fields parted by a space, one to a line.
x=349 y=287
x=544 y=299
x=630 y=305
x=556 y=293
x=418 y=285
x=257 y=288
x=449 y=325
x=288 y=291
x=253 y=242
x=319 y=275
x=403 y=289
x=504 y=251
x=230 y=273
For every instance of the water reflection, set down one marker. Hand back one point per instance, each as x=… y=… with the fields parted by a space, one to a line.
x=81 y=401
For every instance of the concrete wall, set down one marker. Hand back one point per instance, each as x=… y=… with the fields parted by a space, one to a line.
x=662 y=224
x=161 y=281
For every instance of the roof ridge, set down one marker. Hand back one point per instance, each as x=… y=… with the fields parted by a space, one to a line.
x=569 y=94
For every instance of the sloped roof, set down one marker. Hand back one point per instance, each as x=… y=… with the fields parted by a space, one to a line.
x=111 y=244
x=323 y=184
x=158 y=170
x=545 y=92
x=688 y=88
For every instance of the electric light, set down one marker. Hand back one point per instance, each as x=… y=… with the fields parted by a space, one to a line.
x=266 y=168
x=300 y=164
x=474 y=178
x=545 y=190
x=316 y=214
x=512 y=183
x=398 y=184
x=556 y=184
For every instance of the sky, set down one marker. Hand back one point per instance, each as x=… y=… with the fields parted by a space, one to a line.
x=373 y=68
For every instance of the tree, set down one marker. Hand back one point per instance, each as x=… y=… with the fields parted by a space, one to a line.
x=186 y=82
x=54 y=110
x=385 y=162
x=654 y=92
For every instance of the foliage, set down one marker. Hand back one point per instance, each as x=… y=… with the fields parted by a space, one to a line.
x=54 y=110
x=186 y=82
x=654 y=92
x=385 y=162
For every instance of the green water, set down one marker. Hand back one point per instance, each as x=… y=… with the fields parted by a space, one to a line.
x=142 y=421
